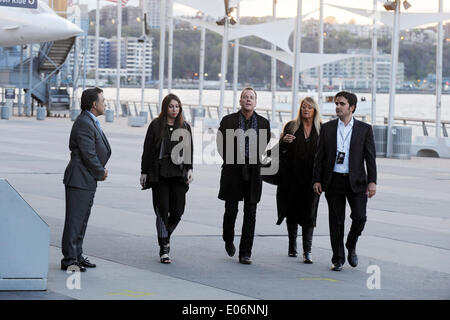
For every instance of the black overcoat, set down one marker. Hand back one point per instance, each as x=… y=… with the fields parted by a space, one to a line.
x=231 y=180
x=295 y=197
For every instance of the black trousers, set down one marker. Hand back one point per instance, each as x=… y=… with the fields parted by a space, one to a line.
x=169 y=199
x=78 y=209
x=338 y=192
x=248 y=225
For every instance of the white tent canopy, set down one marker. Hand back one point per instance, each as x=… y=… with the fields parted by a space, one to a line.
x=307 y=60
x=408 y=20
x=277 y=32
x=213 y=8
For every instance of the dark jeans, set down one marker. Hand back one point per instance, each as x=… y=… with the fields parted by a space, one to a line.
x=169 y=199
x=338 y=192
x=78 y=209
x=248 y=226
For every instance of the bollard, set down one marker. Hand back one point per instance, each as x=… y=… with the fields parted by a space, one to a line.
x=144 y=114
x=109 y=115
x=6 y=112
x=401 y=142
x=380 y=137
x=74 y=114
x=197 y=115
x=41 y=113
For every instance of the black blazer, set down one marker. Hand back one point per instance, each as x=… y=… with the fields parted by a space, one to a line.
x=231 y=183
x=151 y=149
x=90 y=151
x=362 y=149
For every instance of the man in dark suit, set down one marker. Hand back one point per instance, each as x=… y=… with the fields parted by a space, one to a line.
x=238 y=142
x=345 y=144
x=90 y=151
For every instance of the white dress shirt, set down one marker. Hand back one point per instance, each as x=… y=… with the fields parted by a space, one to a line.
x=344 y=136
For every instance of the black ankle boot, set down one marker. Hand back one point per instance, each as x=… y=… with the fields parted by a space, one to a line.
x=307 y=234
x=292 y=234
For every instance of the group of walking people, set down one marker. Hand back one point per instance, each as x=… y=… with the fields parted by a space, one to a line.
x=313 y=158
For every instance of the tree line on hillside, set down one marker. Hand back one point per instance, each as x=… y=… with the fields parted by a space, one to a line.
x=419 y=58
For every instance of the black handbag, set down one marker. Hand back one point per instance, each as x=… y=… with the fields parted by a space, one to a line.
x=275 y=178
x=150 y=182
x=152 y=177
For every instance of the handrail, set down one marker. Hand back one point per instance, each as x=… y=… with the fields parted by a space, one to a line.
x=283 y=113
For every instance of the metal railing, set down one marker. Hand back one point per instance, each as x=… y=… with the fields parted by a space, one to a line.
x=212 y=111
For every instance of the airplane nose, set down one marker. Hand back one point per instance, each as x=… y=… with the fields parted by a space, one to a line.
x=64 y=28
x=71 y=29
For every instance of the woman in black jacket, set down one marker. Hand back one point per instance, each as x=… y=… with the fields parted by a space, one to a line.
x=166 y=167
x=296 y=200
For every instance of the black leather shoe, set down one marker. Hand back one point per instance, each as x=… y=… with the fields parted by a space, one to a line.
x=336 y=267
x=292 y=251
x=74 y=267
x=87 y=264
x=230 y=248
x=245 y=260
x=307 y=258
x=352 y=257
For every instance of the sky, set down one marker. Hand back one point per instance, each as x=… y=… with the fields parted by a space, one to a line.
x=288 y=8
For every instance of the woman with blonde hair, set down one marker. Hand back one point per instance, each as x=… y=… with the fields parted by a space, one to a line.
x=296 y=200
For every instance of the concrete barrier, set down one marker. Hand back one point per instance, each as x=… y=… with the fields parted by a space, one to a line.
x=431 y=147
x=136 y=121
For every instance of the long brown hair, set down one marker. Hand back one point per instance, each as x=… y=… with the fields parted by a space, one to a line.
x=179 y=120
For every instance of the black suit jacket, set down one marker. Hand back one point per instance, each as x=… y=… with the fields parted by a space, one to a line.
x=362 y=150
x=90 y=151
x=231 y=180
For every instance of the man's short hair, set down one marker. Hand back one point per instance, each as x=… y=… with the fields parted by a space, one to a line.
x=351 y=98
x=88 y=98
x=247 y=89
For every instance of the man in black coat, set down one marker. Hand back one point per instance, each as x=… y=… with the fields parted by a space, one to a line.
x=345 y=144
x=90 y=151
x=241 y=140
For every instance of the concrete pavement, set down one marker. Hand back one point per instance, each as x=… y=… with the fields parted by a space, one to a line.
x=407 y=236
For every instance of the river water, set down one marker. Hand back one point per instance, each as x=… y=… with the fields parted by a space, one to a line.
x=421 y=106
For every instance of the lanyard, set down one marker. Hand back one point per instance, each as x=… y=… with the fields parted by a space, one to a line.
x=346 y=137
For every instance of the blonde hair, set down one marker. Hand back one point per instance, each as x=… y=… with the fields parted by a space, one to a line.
x=298 y=120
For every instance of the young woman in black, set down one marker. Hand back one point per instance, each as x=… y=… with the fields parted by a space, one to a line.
x=166 y=167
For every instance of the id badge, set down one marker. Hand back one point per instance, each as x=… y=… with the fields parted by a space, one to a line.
x=340 y=157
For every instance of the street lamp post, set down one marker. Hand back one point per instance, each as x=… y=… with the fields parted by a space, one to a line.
x=374 y=65
x=297 y=49
x=394 y=63
x=320 y=68
x=439 y=51
x=169 y=44
x=162 y=47
x=236 y=65
x=97 y=35
x=274 y=65
x=119 y=44
x=223 y=68
x=202 y=64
